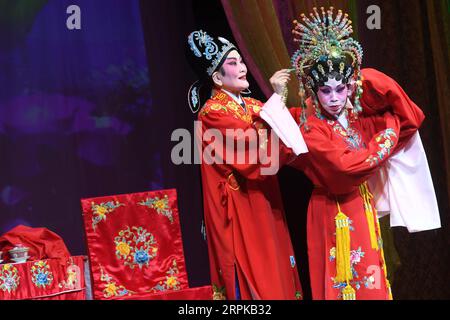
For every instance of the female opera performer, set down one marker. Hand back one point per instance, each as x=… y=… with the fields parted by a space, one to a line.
x=361 y=118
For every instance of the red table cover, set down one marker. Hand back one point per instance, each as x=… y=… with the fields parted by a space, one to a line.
x=135 y=245
x=41 y=242
x=49 y=279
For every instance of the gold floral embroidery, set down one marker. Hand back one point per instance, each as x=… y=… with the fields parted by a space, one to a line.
x=251 y=101
x=238 y=112
x=123 y=248
x=256 y=109
x=160 y=205
x=224 y=104
x=217 y=107
x=137 y=247
x=219 y=293
x=99 y=211
x=111 y=288
x=9 y=278
x=385 y=143
x=233 y=107
x=171 y=282
x=262 y=133
x=351 y=136
x=221 y=96
x=214 y=107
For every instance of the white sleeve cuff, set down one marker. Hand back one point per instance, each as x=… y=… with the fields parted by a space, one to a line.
x=405 y=188
x=277 y=115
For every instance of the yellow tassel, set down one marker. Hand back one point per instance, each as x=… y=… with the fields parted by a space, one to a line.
x=366 y=195
x=388 y=285
x=343 y=267
x=348 y=293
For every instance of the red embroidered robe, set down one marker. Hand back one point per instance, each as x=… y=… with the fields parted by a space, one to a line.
x=246 y=228
x=339 y=163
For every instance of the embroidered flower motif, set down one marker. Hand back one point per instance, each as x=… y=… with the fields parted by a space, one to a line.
x=351 y=136
x=245 y=117
x=41 y=274
x=338 y=285
x=217 y=107
x=9 y=278
x=40 y=263
x=369 y=281
x=218 y=293
x=355 y=258
x=123 y=248
x=350 y=225
x=42 y=279
x=385 y=143
x=332 y=254
x=141 y=257
x=137 y=247
x=256 y=109
x=223 y=103
x=262 y=134
x=372 y=160
x=171 y=282
x=233 y=106
x=160 y=205
x=100 y=211
x=356 y=255
x=111 y=288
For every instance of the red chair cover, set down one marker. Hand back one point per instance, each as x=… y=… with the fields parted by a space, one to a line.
x=43 y=280
x=135 y=246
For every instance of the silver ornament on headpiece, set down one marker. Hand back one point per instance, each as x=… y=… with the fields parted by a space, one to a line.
x=203 y=44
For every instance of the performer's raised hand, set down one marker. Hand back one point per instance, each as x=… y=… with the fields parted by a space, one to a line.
x=279 y=80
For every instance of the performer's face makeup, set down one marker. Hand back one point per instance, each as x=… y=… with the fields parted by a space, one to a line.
x=333 y=96
x=234 y=77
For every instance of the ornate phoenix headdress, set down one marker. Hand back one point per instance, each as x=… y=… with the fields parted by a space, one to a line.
x=323 y=40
